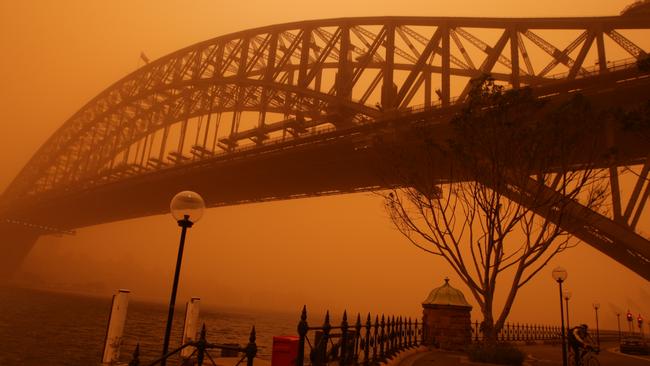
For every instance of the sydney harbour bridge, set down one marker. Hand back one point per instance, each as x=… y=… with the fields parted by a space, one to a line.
x=293 y=110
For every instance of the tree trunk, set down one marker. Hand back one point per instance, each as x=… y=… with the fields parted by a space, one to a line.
x=488 y=329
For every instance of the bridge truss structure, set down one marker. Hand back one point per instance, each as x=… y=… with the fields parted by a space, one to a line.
x=297 y=90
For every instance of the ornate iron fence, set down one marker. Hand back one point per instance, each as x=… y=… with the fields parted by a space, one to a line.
x=368 y=343
x=202 y=352
x=515 y=332
x=359 y=344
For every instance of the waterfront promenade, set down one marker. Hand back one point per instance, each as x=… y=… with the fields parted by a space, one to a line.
x=537 y=355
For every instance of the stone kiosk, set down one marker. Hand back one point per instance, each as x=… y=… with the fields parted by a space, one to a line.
x=446 y=318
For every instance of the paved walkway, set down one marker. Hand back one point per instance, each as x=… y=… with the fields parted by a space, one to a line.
x=545 y=355
x=537 y=355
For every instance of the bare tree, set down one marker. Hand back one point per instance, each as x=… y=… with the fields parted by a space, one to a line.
x=490 y=196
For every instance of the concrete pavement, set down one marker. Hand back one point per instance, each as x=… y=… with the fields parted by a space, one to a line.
x=551 y=355
x=537 y=355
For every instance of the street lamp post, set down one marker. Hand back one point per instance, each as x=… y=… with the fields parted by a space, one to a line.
x=559 y=275
x=640 y=322
x=567 y=296
x=187 y=208
x=618 y=321
x=596 y=307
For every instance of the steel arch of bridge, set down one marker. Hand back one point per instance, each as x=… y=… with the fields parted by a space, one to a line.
x=251 y=89
x=294 y=73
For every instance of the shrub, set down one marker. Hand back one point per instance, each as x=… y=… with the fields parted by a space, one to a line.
x=502 y=354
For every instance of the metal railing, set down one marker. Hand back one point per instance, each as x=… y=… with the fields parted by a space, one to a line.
x=515 y=332
x=202 y=352
x=358 y=344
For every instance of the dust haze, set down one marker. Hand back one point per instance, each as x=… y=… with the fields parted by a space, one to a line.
x=329 y=253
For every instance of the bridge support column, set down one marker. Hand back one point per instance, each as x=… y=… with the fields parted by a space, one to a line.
x=389 y=89
x=15 y=244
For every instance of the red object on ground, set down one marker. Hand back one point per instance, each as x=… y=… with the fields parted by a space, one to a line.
x=285 y=350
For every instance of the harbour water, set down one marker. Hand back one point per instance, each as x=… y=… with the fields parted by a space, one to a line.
x=48 y=328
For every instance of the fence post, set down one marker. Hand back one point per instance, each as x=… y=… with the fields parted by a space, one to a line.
x=389 y=336
x=404 y=331
x=511 y=332
x=413 y=339
x=382 y=338
x=392 y=335
x=518 y=332
x=135 y=361
x=395 y=334
x=418 y=343
x=302 y=333
x=344 y=339
x=357 y=338
x=366 y=349
x=251 y=348
x=375 y=340
x=321 y=345
x=408 y=333
x=524 y=332
x=501 y=335
x=200 y=347
x=401 y=332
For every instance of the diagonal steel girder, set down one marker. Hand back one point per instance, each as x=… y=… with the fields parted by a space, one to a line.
x=609 y=237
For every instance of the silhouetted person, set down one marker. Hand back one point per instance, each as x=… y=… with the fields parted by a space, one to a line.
x=581 y=342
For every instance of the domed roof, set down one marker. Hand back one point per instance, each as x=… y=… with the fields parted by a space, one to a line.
x=446 y=295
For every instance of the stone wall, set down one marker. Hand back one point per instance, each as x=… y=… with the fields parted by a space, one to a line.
x=447 y=326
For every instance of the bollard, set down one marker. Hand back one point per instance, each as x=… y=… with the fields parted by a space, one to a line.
x=191 y=326
x=115 y=328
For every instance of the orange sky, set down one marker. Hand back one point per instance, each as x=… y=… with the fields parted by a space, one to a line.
x=332 y=252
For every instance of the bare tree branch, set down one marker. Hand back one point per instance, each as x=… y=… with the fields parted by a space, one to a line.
x=512 y=166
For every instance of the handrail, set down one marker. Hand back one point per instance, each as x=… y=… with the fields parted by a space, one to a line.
x=201 y=352
x=358 y=344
